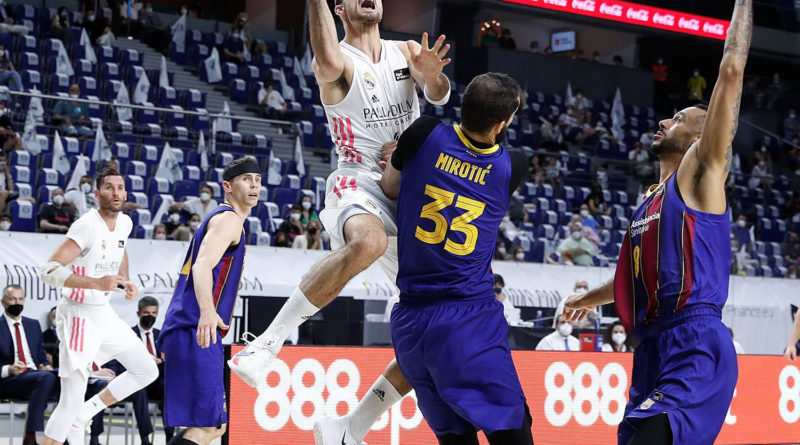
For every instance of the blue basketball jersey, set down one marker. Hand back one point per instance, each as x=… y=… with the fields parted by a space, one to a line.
x=183 y=308
x=453 y=196
x=672 y=258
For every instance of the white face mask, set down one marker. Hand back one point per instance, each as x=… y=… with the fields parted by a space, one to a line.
x=194 y=225
x=741 y=224
x=295 y=216
x=581 y=290
x=4 y=226
x=506 y=218
x=696 y=73
x=565 y=329
x=73 y=96
x=174 y=218
x=90 y=18
x=618 y=338
x=149 y=9
x=585 y=214
x=235 y=35
x=161 y=236
x=576 y=236
x=520 y=256
x=86 y=188
x=2 y=53
x=306 y=205
x=502 y=250
x=58 y=200
x=183 y=12
x=205 y=196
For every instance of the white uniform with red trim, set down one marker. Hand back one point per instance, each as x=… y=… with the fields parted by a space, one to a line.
x=381 y=104
x=89 y=329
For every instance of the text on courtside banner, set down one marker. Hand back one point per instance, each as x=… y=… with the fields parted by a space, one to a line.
x=574 y=397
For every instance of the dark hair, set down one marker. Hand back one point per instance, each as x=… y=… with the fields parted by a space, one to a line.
x=490 y=98
x=147 y=301
x=498 y=279
x=703 y=107
x=104 y=173
x=268 y=84
x=337 y=2
x=296 y=207
x=205 y=185
x=628 y=344
x=6 y=215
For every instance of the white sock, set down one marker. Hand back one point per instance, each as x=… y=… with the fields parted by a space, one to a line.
x=380 y=397
x=294 y=312
x=90 y=408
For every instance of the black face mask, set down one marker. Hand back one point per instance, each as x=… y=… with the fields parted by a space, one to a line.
x=14 y=310
x=147 y=321
x=312 y=231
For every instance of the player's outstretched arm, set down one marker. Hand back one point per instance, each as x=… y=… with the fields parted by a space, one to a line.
x=426 y=65
x=329 y=62
x=708 y=162
x=577 y=306
x=791 y=347
x=57 y=274
x=222 y=231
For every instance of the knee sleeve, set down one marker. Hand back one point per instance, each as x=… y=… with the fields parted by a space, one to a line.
x=141 y=370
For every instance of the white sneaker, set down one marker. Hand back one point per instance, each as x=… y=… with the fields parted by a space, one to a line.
x=251 y=363
x=334 y=431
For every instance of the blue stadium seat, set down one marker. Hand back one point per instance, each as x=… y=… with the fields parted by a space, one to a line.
x=110 y=71
x=23 y=215
x=150 y=155
x=130 y=57
x=136 y=168
x=139 y=198
x=267 y=212
x=88 y=86
x=283 y=196
x=230 y=71
x=167 y=96
x=143 y=232
x=106 y=54
x=21 y=174
x=178 y=53
x=32 y=79
x=44 y=193
x=134 y=183
x=140 y=217
x=48 y=176
x=30 y=61
x=237 y=90
x=192 y=173
x=291 y=182
x=182 y=189
x=193 y=99
x=157 y=186
x=174 y=120
x=22 y=158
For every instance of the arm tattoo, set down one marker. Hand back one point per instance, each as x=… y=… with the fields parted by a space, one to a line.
x=738 y=42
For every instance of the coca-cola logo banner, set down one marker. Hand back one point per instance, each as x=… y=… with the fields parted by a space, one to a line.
x=637 y=14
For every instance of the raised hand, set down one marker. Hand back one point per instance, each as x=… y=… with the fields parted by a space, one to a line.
x=429 y=61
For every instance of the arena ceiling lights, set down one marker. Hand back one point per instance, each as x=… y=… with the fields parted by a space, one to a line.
x=636 y=14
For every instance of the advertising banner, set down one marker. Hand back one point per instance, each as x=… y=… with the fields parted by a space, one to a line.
x=637 y=14
x=574 y=397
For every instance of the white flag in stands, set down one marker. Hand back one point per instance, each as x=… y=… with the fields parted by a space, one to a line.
x=168 y=167
x=203 y=150
x=142 y=89
x=163 y=75
x=63 y=65
x=87 y=47
x=77 y=173
x=222 y=123
x=60 y=160
x=30 y=141
x=298 y=71
x=213 y=70
x=618 y=116
x=298 y=156
x=102 y=151
x=179 y=30
x=124 y=114
x=273 y=170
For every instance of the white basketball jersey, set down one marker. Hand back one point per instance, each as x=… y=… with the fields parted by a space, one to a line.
x=381 y=104
x=101 y=254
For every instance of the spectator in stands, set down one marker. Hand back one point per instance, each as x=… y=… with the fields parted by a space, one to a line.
x=175 y=228
x=736 y=345
x=6 y=182
x=112 y=163
x=697 y=86
x=761 y=176
x=500 y=252
x=561 y=339
x=25 y=371
x=5 y=222
x=534 y=47
x=292 y=226
x=7 y=21
x=8 y=75
x=577 y=250
x=512 y=314
x=152 y=28
x=93 y=24
x=60 y=25
x=194 y=222
x=81 y=199
x=640 y=162
x=201 y=205
x=792 y=207
x=506 y=41
x=508 y=231
x=490 y=35
x=618 y=61
x=56 y=217
x=587 y=220
x=596 y=57
x=518 y=254
x=160 y=232
x=275 y=107
x=307 y=213
x=516 y=209
x=578 y=101
x=282 y=239
x=616 y=339
x=597 y=202
x=741 y=232
x=552 y=137
x=311 y=239
x=9 y=140
x=588 y=232
x=791 y=253
x=581 y=287
x=237 y=42
x=107 y=38
x=775 y=92
x=74 y=116
x=791 y=126
x=50 y=339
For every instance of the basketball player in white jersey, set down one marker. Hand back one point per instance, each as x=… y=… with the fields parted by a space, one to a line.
x=89 y=265
x=368 y=88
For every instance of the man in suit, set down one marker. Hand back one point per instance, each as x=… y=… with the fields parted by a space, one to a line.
x=147 y=314
x=25 y=372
